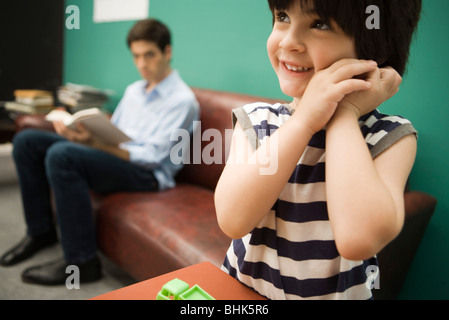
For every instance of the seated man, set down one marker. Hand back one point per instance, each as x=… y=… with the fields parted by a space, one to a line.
x=70 y=163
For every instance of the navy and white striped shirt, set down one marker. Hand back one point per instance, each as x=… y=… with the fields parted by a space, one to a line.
x=292 y=254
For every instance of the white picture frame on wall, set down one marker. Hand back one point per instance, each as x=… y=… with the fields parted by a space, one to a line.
x=120 y=10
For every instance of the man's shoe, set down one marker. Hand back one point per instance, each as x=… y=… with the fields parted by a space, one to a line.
x=54 y=273
x=27 y=247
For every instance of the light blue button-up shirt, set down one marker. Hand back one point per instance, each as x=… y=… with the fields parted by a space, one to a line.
x=149 y=118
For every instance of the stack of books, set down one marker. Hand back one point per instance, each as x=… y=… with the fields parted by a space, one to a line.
x=31 y=102
x=77 y=97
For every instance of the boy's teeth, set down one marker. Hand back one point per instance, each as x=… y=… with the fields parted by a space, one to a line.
x=296 y=69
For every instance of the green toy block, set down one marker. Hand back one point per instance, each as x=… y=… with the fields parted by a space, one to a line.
x=195 y=293
x=177 y=289
x=172 y=290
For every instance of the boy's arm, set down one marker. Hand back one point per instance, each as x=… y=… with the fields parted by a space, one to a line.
x=364 y=196
x=244 y=196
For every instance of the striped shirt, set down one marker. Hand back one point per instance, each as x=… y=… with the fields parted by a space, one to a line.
x=292 y=254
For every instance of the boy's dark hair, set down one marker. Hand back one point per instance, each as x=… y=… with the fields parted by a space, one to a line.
x=389 y=45
x=150 y=30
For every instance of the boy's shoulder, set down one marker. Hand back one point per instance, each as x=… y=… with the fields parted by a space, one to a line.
x=377 y=118
x=258 y=112
x=382 y=130
x=377 y=122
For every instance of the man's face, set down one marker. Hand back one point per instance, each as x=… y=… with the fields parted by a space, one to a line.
x=152 y=64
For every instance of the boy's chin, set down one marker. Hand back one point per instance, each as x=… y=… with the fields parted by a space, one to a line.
x=293 y=92
x=294 y=89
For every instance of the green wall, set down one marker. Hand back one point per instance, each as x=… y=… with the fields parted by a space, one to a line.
x=217 y=45
x=222 y=45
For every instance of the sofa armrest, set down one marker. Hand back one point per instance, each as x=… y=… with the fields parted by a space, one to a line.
x=33 y=121
x=396 y=258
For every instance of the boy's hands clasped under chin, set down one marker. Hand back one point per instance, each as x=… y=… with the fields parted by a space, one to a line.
x=384 y=85
x=348 y=84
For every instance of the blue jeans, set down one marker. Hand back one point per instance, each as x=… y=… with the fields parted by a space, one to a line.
x=47 y=163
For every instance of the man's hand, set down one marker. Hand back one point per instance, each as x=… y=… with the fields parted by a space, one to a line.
x=384 y=85
x=84 y=136
x=81 y=134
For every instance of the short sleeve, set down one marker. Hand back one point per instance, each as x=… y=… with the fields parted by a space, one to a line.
x=382 y=131
x=242 y=117
x=258 y=120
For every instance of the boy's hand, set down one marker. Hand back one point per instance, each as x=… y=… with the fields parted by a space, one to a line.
x=384 y=84
x=329 y=86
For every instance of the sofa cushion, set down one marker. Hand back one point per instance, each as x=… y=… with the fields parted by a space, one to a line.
x=149 y=234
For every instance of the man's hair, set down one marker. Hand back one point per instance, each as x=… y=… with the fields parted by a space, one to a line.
x=150 y=30
x=389 y=45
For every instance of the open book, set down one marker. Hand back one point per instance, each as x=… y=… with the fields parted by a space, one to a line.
x=94 y=120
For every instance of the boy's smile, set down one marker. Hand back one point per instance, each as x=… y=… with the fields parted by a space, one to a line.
x=301 y=44
x=294 y=70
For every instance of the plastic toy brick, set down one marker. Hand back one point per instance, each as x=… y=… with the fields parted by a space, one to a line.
x=172 y=290
x=177 y=289
x=195 y=293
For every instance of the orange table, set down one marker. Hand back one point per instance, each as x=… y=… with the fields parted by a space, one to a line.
x=217 y=283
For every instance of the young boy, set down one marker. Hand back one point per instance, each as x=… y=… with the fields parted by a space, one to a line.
x=313 y=229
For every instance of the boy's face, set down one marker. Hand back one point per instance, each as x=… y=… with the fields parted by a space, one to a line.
x=301 y=45
x=152 y=64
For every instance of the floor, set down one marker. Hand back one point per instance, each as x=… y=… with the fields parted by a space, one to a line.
x=12 y=229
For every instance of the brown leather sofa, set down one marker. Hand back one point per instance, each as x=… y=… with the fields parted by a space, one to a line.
x=148 y=234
